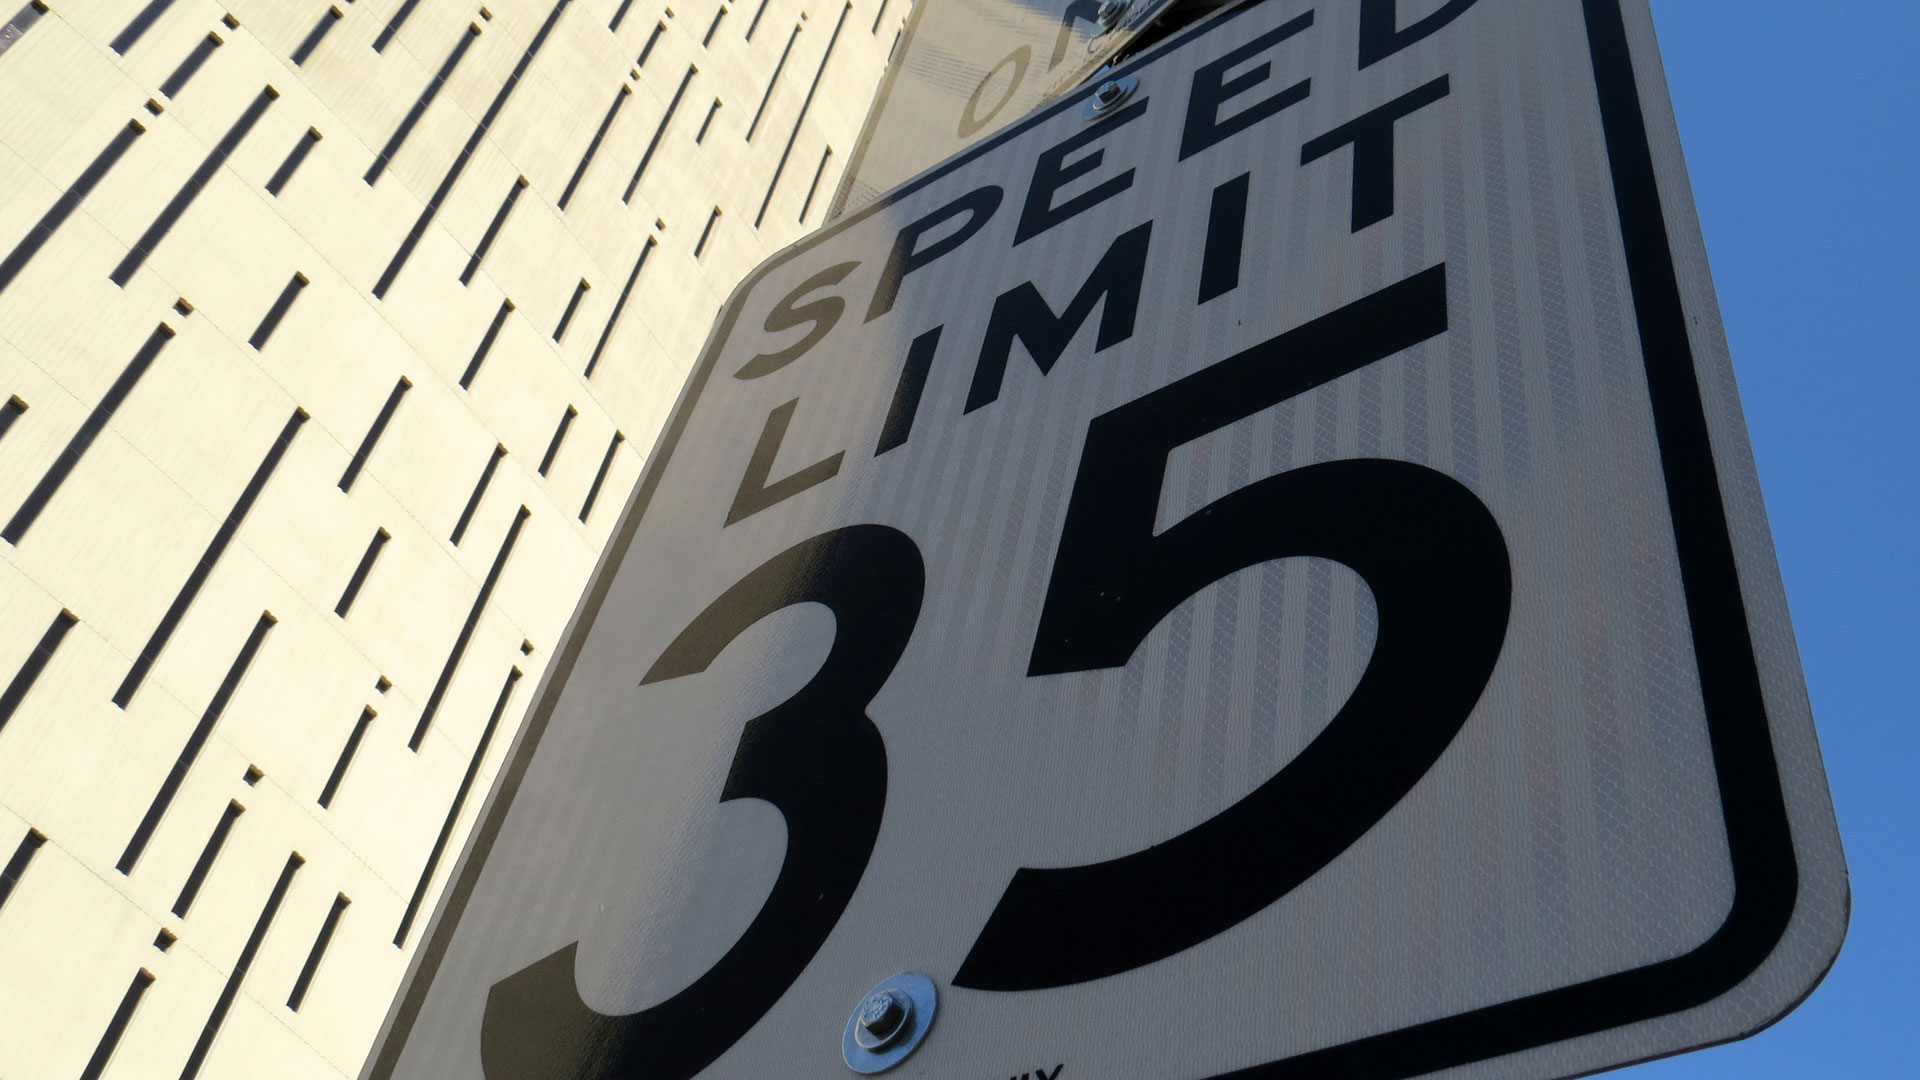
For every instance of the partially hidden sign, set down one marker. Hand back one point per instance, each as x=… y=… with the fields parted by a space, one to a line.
x=964 y=69
x=1265 y=582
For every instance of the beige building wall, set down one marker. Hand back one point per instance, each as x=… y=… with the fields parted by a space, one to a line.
x=318 y=408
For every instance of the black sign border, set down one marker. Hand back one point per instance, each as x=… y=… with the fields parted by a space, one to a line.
x=1759 y=837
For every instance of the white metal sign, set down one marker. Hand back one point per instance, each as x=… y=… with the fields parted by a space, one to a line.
x=1269 y=582
x=964 y=69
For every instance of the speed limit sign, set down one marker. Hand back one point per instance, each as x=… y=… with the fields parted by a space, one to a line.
x=1254 y=571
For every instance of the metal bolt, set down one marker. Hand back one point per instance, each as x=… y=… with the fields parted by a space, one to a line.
x=889 y=1023
x=882 y=1018
x=1110 y=13
x=1108 y=96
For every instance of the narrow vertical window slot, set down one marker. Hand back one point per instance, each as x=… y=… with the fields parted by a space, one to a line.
x=137 y=29
x=204 y=864
x=805 y=105
x=393 y=25
x=714 y=26
x=660 y=132
x=281 y=305
x=211 y=1029
x=189 y=191
x=479 y=492
x=90 y=429
x=189 y=67
x=486 y=344
x=877 y=16
x=116 y=1027
x=493 y=231
x=600 y=476
x=619 y=16
x=432 y=90
x=700 y=246
x=559 y=436
x=316 y=35
x=573 y=306
x=345 y=761
x=593 y=146
x=22 y=21
x=292 y=164
x=10 y=412
x=755 y=23
x=29 y=672
x=372 y=438
x=208 y=560
x=320 y=942
x=23 y=854
x=467 y=152
x=453 y=812
x=618 y=306
x=819 y=171
x=754 y=125
x=360 y=572
x=459 y=649
x=712 y=110
x=653 y=38
x=195 y=741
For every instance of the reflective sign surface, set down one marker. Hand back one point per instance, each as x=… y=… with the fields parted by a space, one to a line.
x=1269 y=582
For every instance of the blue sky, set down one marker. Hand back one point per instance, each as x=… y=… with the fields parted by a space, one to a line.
x=1800 y=123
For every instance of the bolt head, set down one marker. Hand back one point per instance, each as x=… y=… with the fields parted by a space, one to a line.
x=882 y=1017
x=889 y=1023
x=1110 y=13
x=880 y=1013
x=1106 y=97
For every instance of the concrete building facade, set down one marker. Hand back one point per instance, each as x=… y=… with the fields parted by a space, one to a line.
x=333 y=336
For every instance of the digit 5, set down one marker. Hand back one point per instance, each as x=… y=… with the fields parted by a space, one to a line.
x=1426 y=546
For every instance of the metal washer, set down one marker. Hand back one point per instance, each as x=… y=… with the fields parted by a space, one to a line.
x=920 y=990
